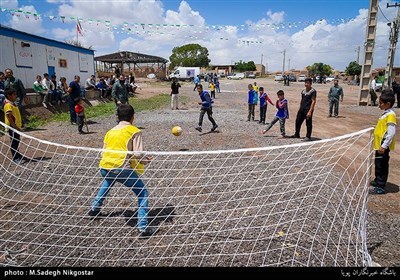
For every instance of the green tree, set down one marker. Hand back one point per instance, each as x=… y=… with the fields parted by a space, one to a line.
x=242 y=66
x=353 y=69
x=189 y=55
x=319 y=69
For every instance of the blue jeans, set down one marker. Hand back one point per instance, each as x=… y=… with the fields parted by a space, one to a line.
x=71 y=106
x=130 y=179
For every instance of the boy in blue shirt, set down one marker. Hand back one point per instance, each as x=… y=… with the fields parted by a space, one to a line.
x=281 y=115
x=206 y=107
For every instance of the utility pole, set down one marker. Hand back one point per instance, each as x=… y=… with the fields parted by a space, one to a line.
x=369 y=46
x=394 y=34
x=358 y=55
x=288 y=65
x=261 y=58
x=283 y=65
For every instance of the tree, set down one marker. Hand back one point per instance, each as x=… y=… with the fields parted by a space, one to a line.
x=189 y=55
x=319 y=69
x=353 y=69
x=245 y=66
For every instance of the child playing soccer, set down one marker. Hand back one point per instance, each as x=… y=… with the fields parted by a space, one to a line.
x=263 y=105
x=384 y=140
x=124 y=168
x=281 y=115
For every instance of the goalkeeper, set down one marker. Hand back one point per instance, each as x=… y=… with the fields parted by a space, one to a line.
x=384 y=140
x=124 y=137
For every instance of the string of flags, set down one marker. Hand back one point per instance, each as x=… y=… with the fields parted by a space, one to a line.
x=165 y=29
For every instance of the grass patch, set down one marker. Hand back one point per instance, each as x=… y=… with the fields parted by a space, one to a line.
x=106 y=109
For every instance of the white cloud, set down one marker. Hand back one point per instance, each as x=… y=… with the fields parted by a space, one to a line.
x=35 y=24
x=331 y=43
x=9 y=4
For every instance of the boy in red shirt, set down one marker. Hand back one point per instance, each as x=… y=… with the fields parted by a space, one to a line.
x=80 y=114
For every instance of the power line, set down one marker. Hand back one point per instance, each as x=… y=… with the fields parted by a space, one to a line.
x=379 y=7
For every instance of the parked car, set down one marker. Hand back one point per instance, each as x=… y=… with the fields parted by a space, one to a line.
x=379 y=86
x=236 y=76
x=301 y=78
x=292 y=78
x=330 y=79
x=251 y=75
x=278 y=78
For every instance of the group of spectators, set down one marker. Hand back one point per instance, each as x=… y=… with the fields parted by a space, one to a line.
x=59 y=91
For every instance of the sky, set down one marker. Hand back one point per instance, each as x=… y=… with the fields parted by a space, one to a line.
x=281 y=34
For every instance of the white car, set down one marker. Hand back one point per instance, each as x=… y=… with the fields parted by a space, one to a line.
x=236 y=76
x=301 y=78
x=278 y=78
x=379 y=86
x=330 y=79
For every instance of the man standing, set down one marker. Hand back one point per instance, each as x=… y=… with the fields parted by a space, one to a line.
x=174 y=93
x=12 y=82
x=306 y=110
x=74 y=91
x=119 y=92
x=372 y=91
x=335 y=93
x=396 y=91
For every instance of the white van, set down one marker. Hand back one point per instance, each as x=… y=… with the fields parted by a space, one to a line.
x=185 y=73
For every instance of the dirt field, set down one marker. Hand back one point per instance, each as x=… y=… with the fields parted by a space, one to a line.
x=384 y=248
x=352 y=118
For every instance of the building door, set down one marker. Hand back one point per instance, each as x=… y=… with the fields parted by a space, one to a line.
x=50 y=70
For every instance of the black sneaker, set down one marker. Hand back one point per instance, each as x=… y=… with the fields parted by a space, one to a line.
x=379 y=190
x=18 y=161
x=147 y=232
x=94 y=213
x=214 y=127
x=307 y=139
x=294 y=136
x=199 y=129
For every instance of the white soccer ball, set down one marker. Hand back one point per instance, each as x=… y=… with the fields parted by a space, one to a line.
x=177 y=130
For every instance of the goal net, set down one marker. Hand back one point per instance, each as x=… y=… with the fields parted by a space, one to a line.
x=292 y=205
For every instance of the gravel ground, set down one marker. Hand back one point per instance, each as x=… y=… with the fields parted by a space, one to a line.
x=246 y=214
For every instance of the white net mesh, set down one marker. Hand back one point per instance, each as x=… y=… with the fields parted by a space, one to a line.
x=293 y=205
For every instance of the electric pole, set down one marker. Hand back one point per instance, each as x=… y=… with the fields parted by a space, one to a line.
x=283 y=65
x=394 y=34
x=369 y=46
x=288 y=64
x=358 y=55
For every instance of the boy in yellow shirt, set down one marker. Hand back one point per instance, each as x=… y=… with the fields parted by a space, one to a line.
x=124 y=167
x=13 y=118
x=384 y=140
